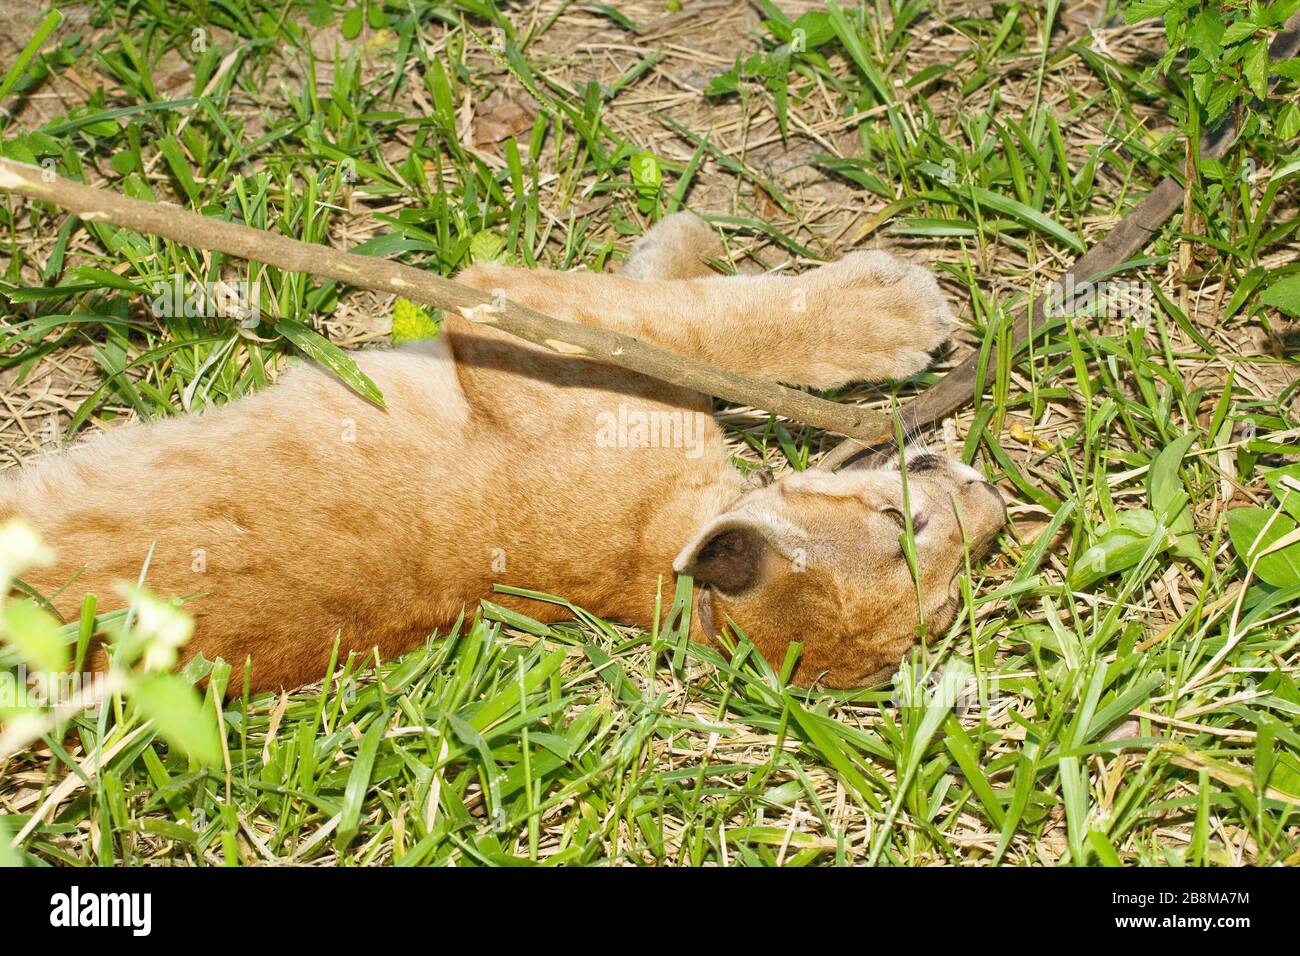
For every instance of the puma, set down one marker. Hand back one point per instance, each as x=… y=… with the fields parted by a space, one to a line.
x=304 y=513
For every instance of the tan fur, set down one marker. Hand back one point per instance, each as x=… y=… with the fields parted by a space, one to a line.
x=303 y=512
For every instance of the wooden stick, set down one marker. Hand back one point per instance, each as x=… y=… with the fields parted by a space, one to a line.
x=1125 y=240
x=567 y=338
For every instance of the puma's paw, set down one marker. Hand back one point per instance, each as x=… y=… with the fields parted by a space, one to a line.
x=878 y=284
x=676 y=247
x=888 y=313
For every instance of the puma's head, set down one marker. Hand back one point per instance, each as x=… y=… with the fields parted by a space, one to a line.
x=818 y=557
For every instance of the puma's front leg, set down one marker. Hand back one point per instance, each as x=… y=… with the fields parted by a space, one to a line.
x=868 y=316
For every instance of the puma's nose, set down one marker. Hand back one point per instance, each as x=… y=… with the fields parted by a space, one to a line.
x=987 y=487
x=985 y=512
x=992 y=489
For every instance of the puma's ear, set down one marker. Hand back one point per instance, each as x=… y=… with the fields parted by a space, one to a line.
x=727 y=555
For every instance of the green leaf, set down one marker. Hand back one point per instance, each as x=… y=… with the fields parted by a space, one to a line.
x=724 y=83
x=962 y=748
x=320 y=14
x=1030 y=217
x=645 y=170
x=1284 y=294
x=487 y=247
x=180 y=167
x=1104 y=849
x=359 y=782
x=851 y=38
x=1119 y=545
x=1206 y=34
x=1256 y=68
x=177 y=712
x=352 y=22
x=411 y=323
x=830 y=748
x=1288 y=122
x=1169 y=499
x=1285 y=775
x=316 y=346
x=35 y=635
x=106 y=278
x=1239 y=31
x=10 y=858
x=48 y=26
x=1281 y=569
x=816 y=28
x=647 y=177
x=1139 y=10
x=1288 y=495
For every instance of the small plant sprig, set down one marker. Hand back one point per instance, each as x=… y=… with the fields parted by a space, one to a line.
x=37 y=652
x=1223 y=49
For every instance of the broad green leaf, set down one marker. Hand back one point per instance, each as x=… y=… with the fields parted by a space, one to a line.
x=724 y=83
x=1288 y=122
x=1284 y=294
x=646 y=173
x=352 y=23
x=1119 y=545
x=35 y=635
x=810 y=31
x=10 y=858
x=487 y=247
x=1286 y=774
x=1281 y=569
x=1255 y=68
x=1169 y=499
x=1285 y=484
x=410 y=322
x=1239 y=31
x=178 y=713
x=647 y=177
x=1206 y=34
x=1138 y=10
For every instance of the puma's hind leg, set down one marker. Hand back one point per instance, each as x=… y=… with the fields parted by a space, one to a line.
x=676 y=247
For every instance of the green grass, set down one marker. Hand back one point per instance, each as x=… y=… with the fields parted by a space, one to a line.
x=1133 y=692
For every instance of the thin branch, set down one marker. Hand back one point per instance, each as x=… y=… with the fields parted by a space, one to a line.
x=567 y=338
